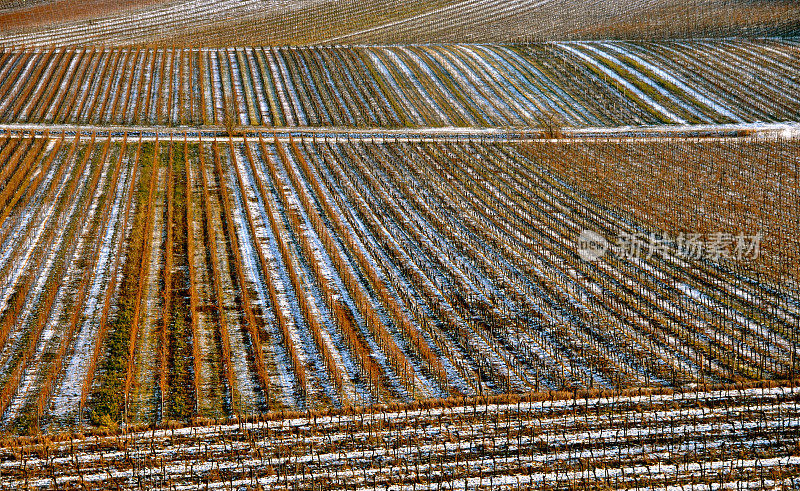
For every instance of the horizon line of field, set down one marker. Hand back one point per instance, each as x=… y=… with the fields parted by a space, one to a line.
x=37 y=48
x=624 y=134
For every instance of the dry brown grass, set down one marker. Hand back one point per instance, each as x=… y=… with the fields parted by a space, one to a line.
x=58 y=11
x=384 y=21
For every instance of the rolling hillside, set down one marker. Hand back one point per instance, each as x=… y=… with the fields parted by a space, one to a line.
x=279 y=23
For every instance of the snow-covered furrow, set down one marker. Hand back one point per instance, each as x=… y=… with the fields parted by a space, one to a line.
x=280 y=72
x=155 y=93
x=32 y=241
x=670 y=117
x=10 y=95
x=258 y=87
x=307 y=233
x=442 y=91
x=753 y=84
x=553 y=198
x=774 y=81
x=473 y=246
x=67 y=394
x=712 y=81
x=45 y=79
x=240 y=82
x=464 y=84
x=345 y=359
x=79 y=56
x=654 y=85
x=451 y=263
x=512 y=91
x=574 y=425
x=84 y=248
x=280 y=89
x=89 y=86
x=426 y=98
x=300 y=338
x=229 y=304
x=742 y=435
x=374 y=109
x=365 y=243
x=431 y=86
x=407 y=105
x=372 y=248
x=479 y=80
x=315 y=91
x=235 y=91
x=436 y=284
x=245 y=195
x=708 y=305
x=705 y=99
x=501 y=238
x=284 y=376
x=361 y=250
x=173 y=103
x=501 y=84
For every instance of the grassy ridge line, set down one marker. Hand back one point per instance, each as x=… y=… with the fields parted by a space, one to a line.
x=164 y=331
x=180 y=320
x=109 y=399
x=112 y=285
x=193 y=301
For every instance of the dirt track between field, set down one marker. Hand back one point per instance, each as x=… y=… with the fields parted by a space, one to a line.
x=705 y=132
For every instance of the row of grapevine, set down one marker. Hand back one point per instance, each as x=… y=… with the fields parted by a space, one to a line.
x=733 y=437
x=205 y=278
x=563 y=84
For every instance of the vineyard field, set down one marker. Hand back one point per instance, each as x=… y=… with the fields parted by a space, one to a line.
x=736 y=438
x=324 y=22
x=169 y=277
x=566 y=84
x=400 y=245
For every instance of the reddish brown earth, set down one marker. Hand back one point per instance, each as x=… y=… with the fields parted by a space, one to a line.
x=66 y=10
